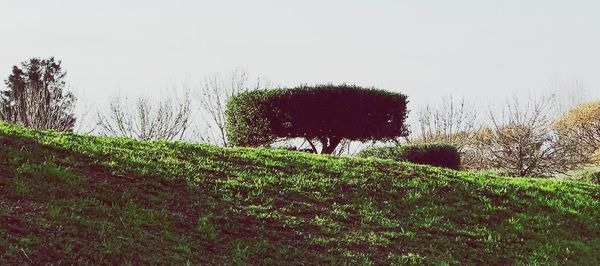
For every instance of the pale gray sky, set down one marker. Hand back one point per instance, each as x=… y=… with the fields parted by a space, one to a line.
x=423 y=48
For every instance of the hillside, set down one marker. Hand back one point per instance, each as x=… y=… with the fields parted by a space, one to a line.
x=66 y=198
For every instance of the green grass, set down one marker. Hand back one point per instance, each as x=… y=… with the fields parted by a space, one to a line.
x=70 y=199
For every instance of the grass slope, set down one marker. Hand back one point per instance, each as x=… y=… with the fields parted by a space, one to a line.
x=73 y=199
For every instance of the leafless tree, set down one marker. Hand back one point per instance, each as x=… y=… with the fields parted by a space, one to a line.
x=215 y=91
x=450 y=121
x=569 y=93
x=166 y=119
x=86 y=118
x=521 y=141
x=44 y=108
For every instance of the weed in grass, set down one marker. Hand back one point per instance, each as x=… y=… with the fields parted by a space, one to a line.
x=328 y=225
x=340 y=211
x=25 y=241
x=185 y=248
x=240 y=253
x=21 y=186
x=206 y=227
x=54 y=211
x=409 y=259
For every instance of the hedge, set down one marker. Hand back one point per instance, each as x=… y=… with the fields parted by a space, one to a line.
x=435 y=154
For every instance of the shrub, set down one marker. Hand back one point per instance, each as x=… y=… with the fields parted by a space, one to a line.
x=586 y=174
x=326 y=113
x=435 y=154
x=246 y=119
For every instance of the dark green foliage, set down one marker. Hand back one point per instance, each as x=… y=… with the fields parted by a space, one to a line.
x=247 y=119
x=36 y=98
x=325 y=113
x=435 y=154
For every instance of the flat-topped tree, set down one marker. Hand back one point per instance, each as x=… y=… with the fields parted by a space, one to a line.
x=325 y=113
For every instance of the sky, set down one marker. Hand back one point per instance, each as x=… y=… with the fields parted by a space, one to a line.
x=480 y=49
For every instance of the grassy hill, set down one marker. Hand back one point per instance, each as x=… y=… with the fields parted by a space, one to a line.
x=66 y=198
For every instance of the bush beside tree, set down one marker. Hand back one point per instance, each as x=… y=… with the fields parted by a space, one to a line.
x=589 y=173
x=435 y=154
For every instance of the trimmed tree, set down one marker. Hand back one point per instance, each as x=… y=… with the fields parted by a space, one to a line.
x=326 y=114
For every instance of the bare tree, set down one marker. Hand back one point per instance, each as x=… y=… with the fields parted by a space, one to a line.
x=451 y=121
x=42 y=108
x=86 y=118
x=521 y=141
x=215 y=91
x=569 y=93
x=166 y=119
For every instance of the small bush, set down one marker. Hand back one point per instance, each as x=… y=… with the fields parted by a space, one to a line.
x=247 y=122
x=435 y=154
x=589 y=174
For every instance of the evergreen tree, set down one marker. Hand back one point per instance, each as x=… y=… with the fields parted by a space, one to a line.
x=35 y=96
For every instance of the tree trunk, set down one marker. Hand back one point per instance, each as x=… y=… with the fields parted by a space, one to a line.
x=329 y=144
